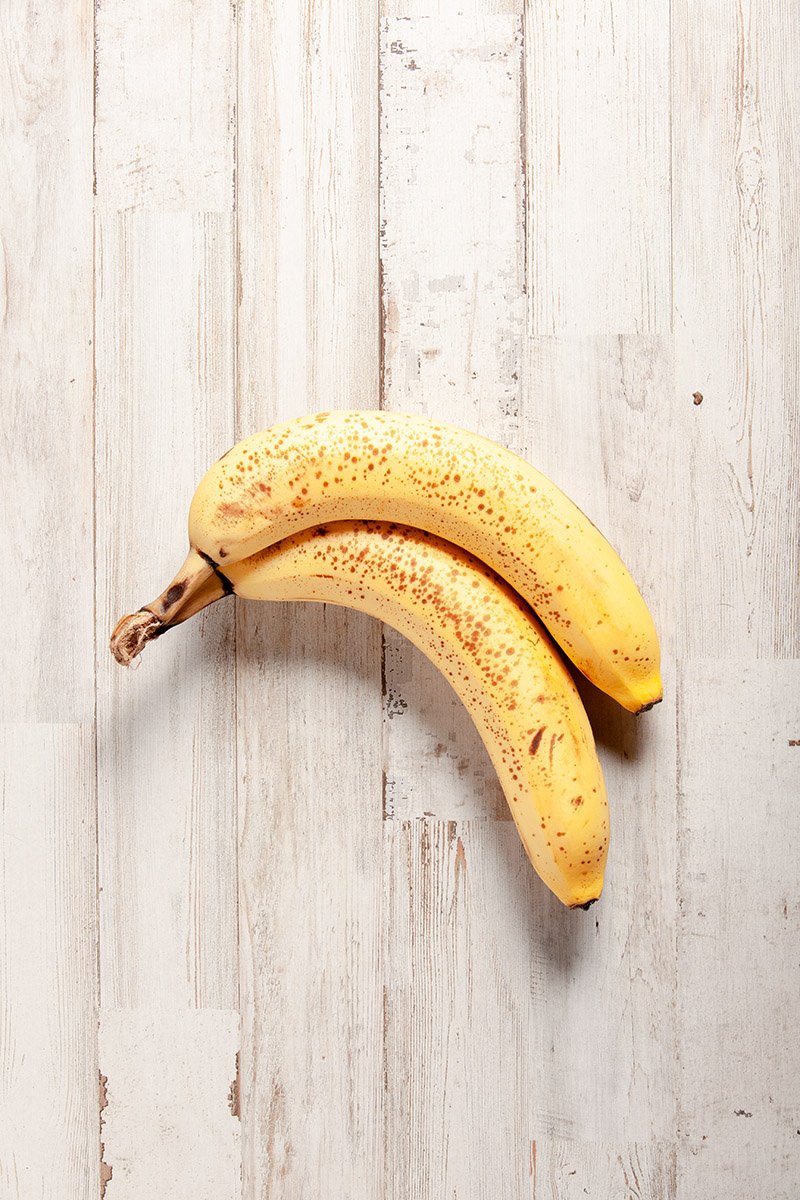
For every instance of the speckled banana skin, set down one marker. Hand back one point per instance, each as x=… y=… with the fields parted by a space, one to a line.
x=458 y=485
x=495 y=653
x=481 y=634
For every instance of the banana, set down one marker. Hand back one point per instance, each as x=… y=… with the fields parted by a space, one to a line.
x=486 y=641
x=447 y=481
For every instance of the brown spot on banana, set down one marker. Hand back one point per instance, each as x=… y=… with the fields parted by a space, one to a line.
x=536 y=740
x=231 y=508
x=173 y=594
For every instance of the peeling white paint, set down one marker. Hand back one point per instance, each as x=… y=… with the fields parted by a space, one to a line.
x=169 y=1127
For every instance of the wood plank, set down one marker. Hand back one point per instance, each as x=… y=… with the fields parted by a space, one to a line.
x=451 y=219
x=310 y=898
x=562 y=1170
x=737 y=281
x=48 y=988
x=166 y=752
x=165 y=352
x=165 y=105
x=453 y=325
x=597 y=149
x=46 y=363
x=460 y=931
x=594 y=421
x=308 y=715
x=739 y=978
x=307 y=210
x=410 y=10
x=597 y=418
x=48 y=935
x=169 y=1105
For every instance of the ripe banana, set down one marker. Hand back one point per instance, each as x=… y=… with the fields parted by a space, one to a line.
x=458 y=485
x=485 y=640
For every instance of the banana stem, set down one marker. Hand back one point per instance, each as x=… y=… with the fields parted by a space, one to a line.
x=132 y=633
x=196 y=585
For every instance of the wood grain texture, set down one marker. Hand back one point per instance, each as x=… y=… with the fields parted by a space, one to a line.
x=512 y=1022
x=737 y=281
x=166 y=741
x=46 y=362
x=48 y=992
x=310 y=896
x=738 y=971
x=165 y=79
x=164 y=366
x=307 y=209
x=594 y=414
x=572 y=1171
x=48 y=969
x=168 y=1094
x=597 y=138
x=410 y=10
x=461 y=928
x=451 y=219
x=593 y=411
x=308 y=679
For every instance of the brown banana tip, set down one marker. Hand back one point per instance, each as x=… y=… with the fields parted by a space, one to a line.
x=132 y=633
x=646 y=707
x=589 y=903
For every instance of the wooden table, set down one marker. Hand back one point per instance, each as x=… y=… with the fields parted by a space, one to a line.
x=266 y=930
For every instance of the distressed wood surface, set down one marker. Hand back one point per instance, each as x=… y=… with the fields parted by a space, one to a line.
x=164 y=113
x=169 y=1104
x=166 y=740
x=46 y=363
x=266 y=929
x=736 y=211
x=409 y=10
x=738 y=832
x=597 y=125
x=49 y=1129
x=308 y=677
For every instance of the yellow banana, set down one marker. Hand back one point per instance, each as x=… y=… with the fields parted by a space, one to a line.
x=456 y=484
x=486 y=641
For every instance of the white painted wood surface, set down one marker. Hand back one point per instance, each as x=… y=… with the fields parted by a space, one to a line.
x=598 y=153
x=169 y=1104
x=266 y=930
x=308 y=680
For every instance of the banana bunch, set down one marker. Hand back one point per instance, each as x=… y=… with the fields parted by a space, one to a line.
x=454 y=541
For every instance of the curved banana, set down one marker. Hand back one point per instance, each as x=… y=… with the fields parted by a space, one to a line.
x=458 y=485
x=489 y=645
